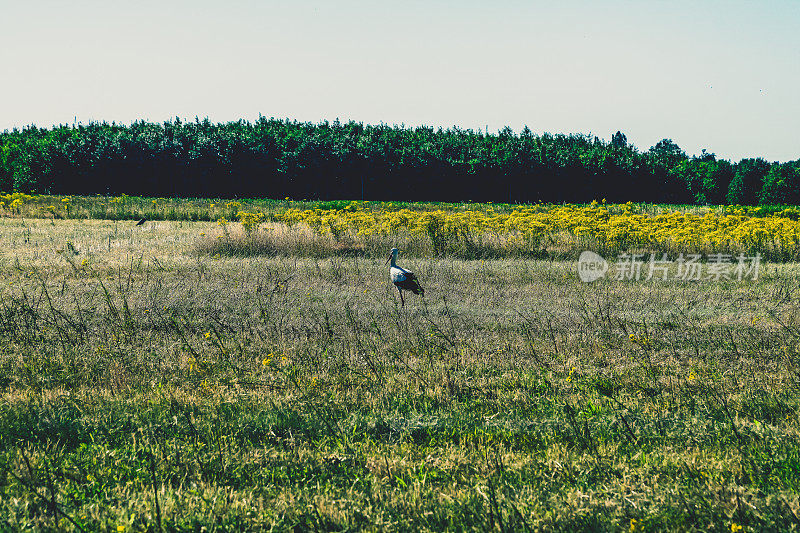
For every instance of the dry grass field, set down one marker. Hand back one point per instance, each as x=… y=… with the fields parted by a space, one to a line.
x=149 y=383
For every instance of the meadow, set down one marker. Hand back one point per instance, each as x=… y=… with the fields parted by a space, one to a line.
x=249 y=367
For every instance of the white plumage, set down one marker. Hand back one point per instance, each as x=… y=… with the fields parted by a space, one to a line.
x=403 y=279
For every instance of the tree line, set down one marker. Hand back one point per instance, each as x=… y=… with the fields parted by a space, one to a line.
x=281 y=158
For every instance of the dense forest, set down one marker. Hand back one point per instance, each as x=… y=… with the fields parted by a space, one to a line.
x=279 y=158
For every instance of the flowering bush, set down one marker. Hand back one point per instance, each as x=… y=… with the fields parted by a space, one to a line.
x=599 y=226
x=250 y=221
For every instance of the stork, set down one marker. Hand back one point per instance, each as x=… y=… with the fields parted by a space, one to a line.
x=402 y=278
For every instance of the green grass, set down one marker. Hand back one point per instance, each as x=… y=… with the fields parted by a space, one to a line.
x=146 y=386
x=212 y=209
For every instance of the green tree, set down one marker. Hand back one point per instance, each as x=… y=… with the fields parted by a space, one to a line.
x=781 y=184
x=747 y=181
x=716 y=179
x=666 y=154
x=618 y=140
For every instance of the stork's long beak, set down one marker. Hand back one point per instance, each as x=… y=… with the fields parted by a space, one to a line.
x=387 y=261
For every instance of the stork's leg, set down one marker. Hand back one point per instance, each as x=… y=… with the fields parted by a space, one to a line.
x=402 y=302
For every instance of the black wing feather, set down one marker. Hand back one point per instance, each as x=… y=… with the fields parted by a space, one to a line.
x=411 y=283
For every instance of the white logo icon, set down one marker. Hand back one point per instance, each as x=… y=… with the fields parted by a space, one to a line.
x=591 y=267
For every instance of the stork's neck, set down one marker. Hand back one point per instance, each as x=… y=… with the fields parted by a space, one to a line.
x=392 y=263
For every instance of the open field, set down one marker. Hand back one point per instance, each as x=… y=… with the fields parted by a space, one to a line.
x=463 y=230
x=151 y=382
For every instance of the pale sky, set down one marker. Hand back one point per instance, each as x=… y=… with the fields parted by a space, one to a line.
x=719 y=75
